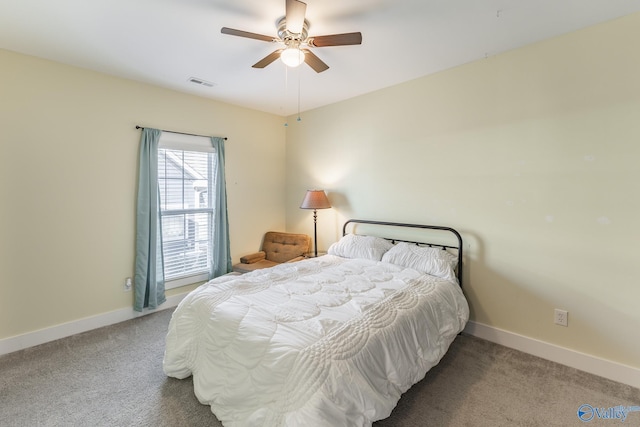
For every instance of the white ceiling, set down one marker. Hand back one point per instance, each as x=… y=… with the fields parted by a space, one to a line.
x=165 y=42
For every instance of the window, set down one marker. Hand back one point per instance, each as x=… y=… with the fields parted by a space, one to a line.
x=185 y=177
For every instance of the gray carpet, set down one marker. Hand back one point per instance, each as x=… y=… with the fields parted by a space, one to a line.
x=113 y=377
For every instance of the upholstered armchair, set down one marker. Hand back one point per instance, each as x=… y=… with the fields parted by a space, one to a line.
x=276 y=248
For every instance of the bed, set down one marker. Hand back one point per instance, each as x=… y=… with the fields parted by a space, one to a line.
x=327 y=341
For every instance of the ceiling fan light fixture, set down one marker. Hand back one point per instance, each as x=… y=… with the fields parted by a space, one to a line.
x=292 y=56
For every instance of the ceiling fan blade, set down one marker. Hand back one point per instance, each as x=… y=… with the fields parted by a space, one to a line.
x=240 y=33
x=336 y=40
x=268 y=59
x=295 y=15
x=314 y=62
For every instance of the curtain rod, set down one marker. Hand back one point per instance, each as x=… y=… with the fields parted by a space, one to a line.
x=181 y=133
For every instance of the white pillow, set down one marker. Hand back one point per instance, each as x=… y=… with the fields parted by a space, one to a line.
x=433 y=261
x=357 y=246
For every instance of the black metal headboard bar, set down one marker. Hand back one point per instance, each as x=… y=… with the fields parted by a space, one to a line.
x=458 y=248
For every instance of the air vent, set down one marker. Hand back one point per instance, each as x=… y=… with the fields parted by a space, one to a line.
x=201 y=82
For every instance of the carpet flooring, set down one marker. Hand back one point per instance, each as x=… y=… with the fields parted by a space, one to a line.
x=113 y=376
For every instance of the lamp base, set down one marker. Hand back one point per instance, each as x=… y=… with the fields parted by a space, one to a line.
x=314 y=254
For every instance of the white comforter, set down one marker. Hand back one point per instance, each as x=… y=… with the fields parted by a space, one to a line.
x=322 y=342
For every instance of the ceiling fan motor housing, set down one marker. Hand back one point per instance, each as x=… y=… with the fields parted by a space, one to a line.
x=288 y=37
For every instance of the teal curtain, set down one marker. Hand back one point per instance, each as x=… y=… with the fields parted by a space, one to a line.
x=149 y=277
x=221 y=252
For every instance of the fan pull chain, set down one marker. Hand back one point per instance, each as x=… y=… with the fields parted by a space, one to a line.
x=286 y=86
x=299 y=119
x=286 y=93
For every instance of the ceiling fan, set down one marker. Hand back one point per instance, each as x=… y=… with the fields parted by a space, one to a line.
x=293 y=34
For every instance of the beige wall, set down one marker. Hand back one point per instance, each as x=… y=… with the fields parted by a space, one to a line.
x=68 y=171
x=533 y=155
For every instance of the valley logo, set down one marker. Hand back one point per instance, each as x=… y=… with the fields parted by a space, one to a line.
x=587 y=412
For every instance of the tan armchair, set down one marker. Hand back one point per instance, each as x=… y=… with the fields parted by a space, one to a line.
x=277 y=248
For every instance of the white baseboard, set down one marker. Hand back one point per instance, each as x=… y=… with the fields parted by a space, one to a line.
x=575 y=359
x=30 y=339
x=594 y=365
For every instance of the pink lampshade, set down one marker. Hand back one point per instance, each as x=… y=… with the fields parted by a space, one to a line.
x=315 y=199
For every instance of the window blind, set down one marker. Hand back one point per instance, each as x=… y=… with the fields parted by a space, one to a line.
x=185 y=180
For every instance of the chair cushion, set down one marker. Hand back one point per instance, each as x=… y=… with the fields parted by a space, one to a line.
x=247 y=268
x=281 y=247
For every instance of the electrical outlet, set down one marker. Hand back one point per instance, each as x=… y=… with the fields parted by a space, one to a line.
x=561 y=317
x=127 y=284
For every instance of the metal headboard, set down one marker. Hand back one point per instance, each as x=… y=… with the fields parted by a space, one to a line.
x=457 y=248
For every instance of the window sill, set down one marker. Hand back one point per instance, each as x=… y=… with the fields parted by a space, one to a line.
x=184 y=281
